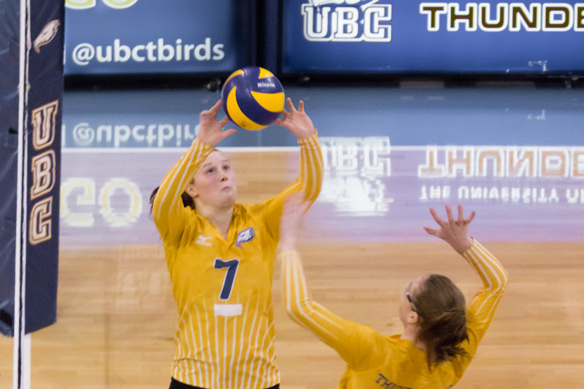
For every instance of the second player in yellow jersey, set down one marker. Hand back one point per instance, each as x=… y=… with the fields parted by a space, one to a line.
x=440 y=334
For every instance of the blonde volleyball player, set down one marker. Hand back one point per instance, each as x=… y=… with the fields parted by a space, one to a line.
x=220 y=257
x=440 y=335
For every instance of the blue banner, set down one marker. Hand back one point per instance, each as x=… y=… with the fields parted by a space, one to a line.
x=9 y=98
x=30 y=145
x=155 y=37
x=399 y=36
x=43 y=159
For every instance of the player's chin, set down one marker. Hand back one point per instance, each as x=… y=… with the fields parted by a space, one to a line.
x=227 y=196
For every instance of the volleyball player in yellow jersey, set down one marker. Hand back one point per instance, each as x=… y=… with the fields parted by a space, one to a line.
x=439 y=335
x=220 y=257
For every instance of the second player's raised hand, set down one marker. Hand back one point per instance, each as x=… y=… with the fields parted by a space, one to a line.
x=453 y=231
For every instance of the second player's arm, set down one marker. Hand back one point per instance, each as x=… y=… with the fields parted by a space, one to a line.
x=482 y=308
x=353 y=342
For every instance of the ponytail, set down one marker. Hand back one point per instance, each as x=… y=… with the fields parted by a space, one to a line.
x=186 y=199
x=441 y=309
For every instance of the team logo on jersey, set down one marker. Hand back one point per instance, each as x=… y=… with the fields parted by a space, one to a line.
x=245 y=236
x=202 y=240
x=48 y=33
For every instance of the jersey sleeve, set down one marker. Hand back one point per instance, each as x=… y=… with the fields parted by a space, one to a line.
x=168 y=210
x=357 y=344
x=482 y=308
x=309 y=181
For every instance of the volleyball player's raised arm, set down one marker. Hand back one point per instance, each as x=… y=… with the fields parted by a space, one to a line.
x=167 y=207
x=482 y=308
x=311 y=168
x=493 y=275
x=355 y=343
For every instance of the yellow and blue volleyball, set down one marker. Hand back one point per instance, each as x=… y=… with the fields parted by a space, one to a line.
x=252 y=97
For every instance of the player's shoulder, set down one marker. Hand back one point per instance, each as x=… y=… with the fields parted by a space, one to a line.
x=250 y=209
x=247 y=213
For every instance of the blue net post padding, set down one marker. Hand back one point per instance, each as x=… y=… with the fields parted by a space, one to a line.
x=36 y=236
x=9 y=65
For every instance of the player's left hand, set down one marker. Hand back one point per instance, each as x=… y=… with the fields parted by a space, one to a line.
x=296 y=121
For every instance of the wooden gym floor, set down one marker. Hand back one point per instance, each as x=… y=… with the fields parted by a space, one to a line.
x=364 y=239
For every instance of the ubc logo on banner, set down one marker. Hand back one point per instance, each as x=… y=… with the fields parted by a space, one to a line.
x=347 y=21
x=44 y=171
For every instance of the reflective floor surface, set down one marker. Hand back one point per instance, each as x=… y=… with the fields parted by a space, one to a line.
x=515 y=155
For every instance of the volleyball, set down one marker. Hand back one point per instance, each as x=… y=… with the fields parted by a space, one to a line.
x=252 y=97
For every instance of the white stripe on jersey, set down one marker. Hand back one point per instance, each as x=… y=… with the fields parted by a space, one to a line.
x=241 y=346
x=234 y=343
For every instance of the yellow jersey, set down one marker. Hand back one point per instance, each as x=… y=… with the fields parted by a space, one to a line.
x=378 y=361
x=222 y=287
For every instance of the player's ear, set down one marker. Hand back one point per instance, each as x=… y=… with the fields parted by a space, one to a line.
x=191 y=190
x=413 y=317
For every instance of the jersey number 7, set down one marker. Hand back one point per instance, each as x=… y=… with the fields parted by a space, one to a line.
x=229 y=276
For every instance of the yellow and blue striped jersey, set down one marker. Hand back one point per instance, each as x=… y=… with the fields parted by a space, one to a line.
x=378 y=361
x=222 y=287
